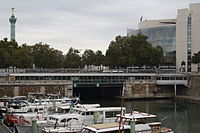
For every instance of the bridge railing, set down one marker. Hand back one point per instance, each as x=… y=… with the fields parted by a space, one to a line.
x=69 y=70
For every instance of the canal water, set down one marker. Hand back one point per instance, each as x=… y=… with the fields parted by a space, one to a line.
x=182 y=117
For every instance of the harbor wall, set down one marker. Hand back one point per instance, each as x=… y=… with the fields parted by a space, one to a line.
x=193 y=93
x=194 y=85
x=22 y=90
x=147 y=89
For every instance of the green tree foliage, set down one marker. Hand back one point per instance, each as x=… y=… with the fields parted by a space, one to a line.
x=46 y=57
x=132 y=51
x=7 y=49
x=25 y=56
x=22 y=57
x=99 y=58
x=121 y=53
x=196 y=58
x=73 y=59
x=88 y=57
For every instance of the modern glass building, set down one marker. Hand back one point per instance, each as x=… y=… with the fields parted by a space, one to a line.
x=179 y=38
x=162 y=33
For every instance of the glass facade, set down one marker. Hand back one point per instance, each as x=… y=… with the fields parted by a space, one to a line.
x=164 y=36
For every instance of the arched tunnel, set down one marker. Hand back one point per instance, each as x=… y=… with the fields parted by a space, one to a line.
x=97 y=92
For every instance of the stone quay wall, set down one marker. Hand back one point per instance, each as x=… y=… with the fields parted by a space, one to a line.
x=22 y=90
x=146 y=89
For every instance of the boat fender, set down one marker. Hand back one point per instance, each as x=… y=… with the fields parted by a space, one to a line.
x=37 y=117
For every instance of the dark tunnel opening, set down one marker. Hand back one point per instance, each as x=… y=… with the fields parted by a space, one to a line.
x=97 y=92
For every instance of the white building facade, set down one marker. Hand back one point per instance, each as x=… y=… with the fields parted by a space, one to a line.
x=188 y=36
x=179 y=38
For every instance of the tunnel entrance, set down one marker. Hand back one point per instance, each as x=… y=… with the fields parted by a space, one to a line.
x=97 y=92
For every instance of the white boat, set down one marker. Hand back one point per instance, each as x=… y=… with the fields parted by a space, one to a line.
x=42 y=118
x=81 y=117
x=124 y=121
x=144 y=118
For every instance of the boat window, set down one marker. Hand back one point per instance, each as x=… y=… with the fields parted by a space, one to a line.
x=87 y=131
x=109 y=114
x=116 y=112
x=84 y=113
x=63 y=120
x=52 y=118
x=89 y=113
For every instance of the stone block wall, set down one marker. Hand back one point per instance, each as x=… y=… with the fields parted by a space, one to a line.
x=23 y=90
x=147 y=90
x=194 y=85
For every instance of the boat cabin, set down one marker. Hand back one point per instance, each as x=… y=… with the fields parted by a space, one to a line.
x=86 y=116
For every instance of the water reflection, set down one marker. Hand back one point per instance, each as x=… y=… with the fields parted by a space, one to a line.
x=182 y=117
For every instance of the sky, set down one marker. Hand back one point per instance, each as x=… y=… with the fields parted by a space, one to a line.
x=81 y=24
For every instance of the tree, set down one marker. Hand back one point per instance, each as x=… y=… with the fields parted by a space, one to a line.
x=73 y=59
x=196 y=58
x=99 y=58
x=88 y=57
x=22 y=57
x=46 y=57
x=7 y=49
x=132 y=51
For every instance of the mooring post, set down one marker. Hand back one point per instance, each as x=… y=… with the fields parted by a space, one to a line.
x=34 y=126
x=133 y=126
x=54 y=106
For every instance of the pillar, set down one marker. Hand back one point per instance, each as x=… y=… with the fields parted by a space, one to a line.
x=42 y=89
x=69 y=89
x=16 y=91
x=147 y=90
x=174 y=90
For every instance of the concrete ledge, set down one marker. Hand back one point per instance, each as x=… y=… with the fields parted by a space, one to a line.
x=191 y=99
x=145 y=98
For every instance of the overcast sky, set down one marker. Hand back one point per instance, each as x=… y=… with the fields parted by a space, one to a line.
x=81 y=24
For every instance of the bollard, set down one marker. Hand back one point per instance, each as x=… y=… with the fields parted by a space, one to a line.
x=34 y=126
x=95 y=118
x=54 y=106
x=71 y=109
x=133 y=126
x=40 y=101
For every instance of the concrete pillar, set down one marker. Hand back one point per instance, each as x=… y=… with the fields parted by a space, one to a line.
x=174 y=90
x=42 y=89
x=16 y=91
x=147 y=90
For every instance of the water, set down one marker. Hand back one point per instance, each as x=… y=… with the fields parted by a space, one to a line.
x=182 y=117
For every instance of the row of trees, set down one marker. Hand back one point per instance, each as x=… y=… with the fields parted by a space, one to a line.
x=121 y=53
x=42 y=56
